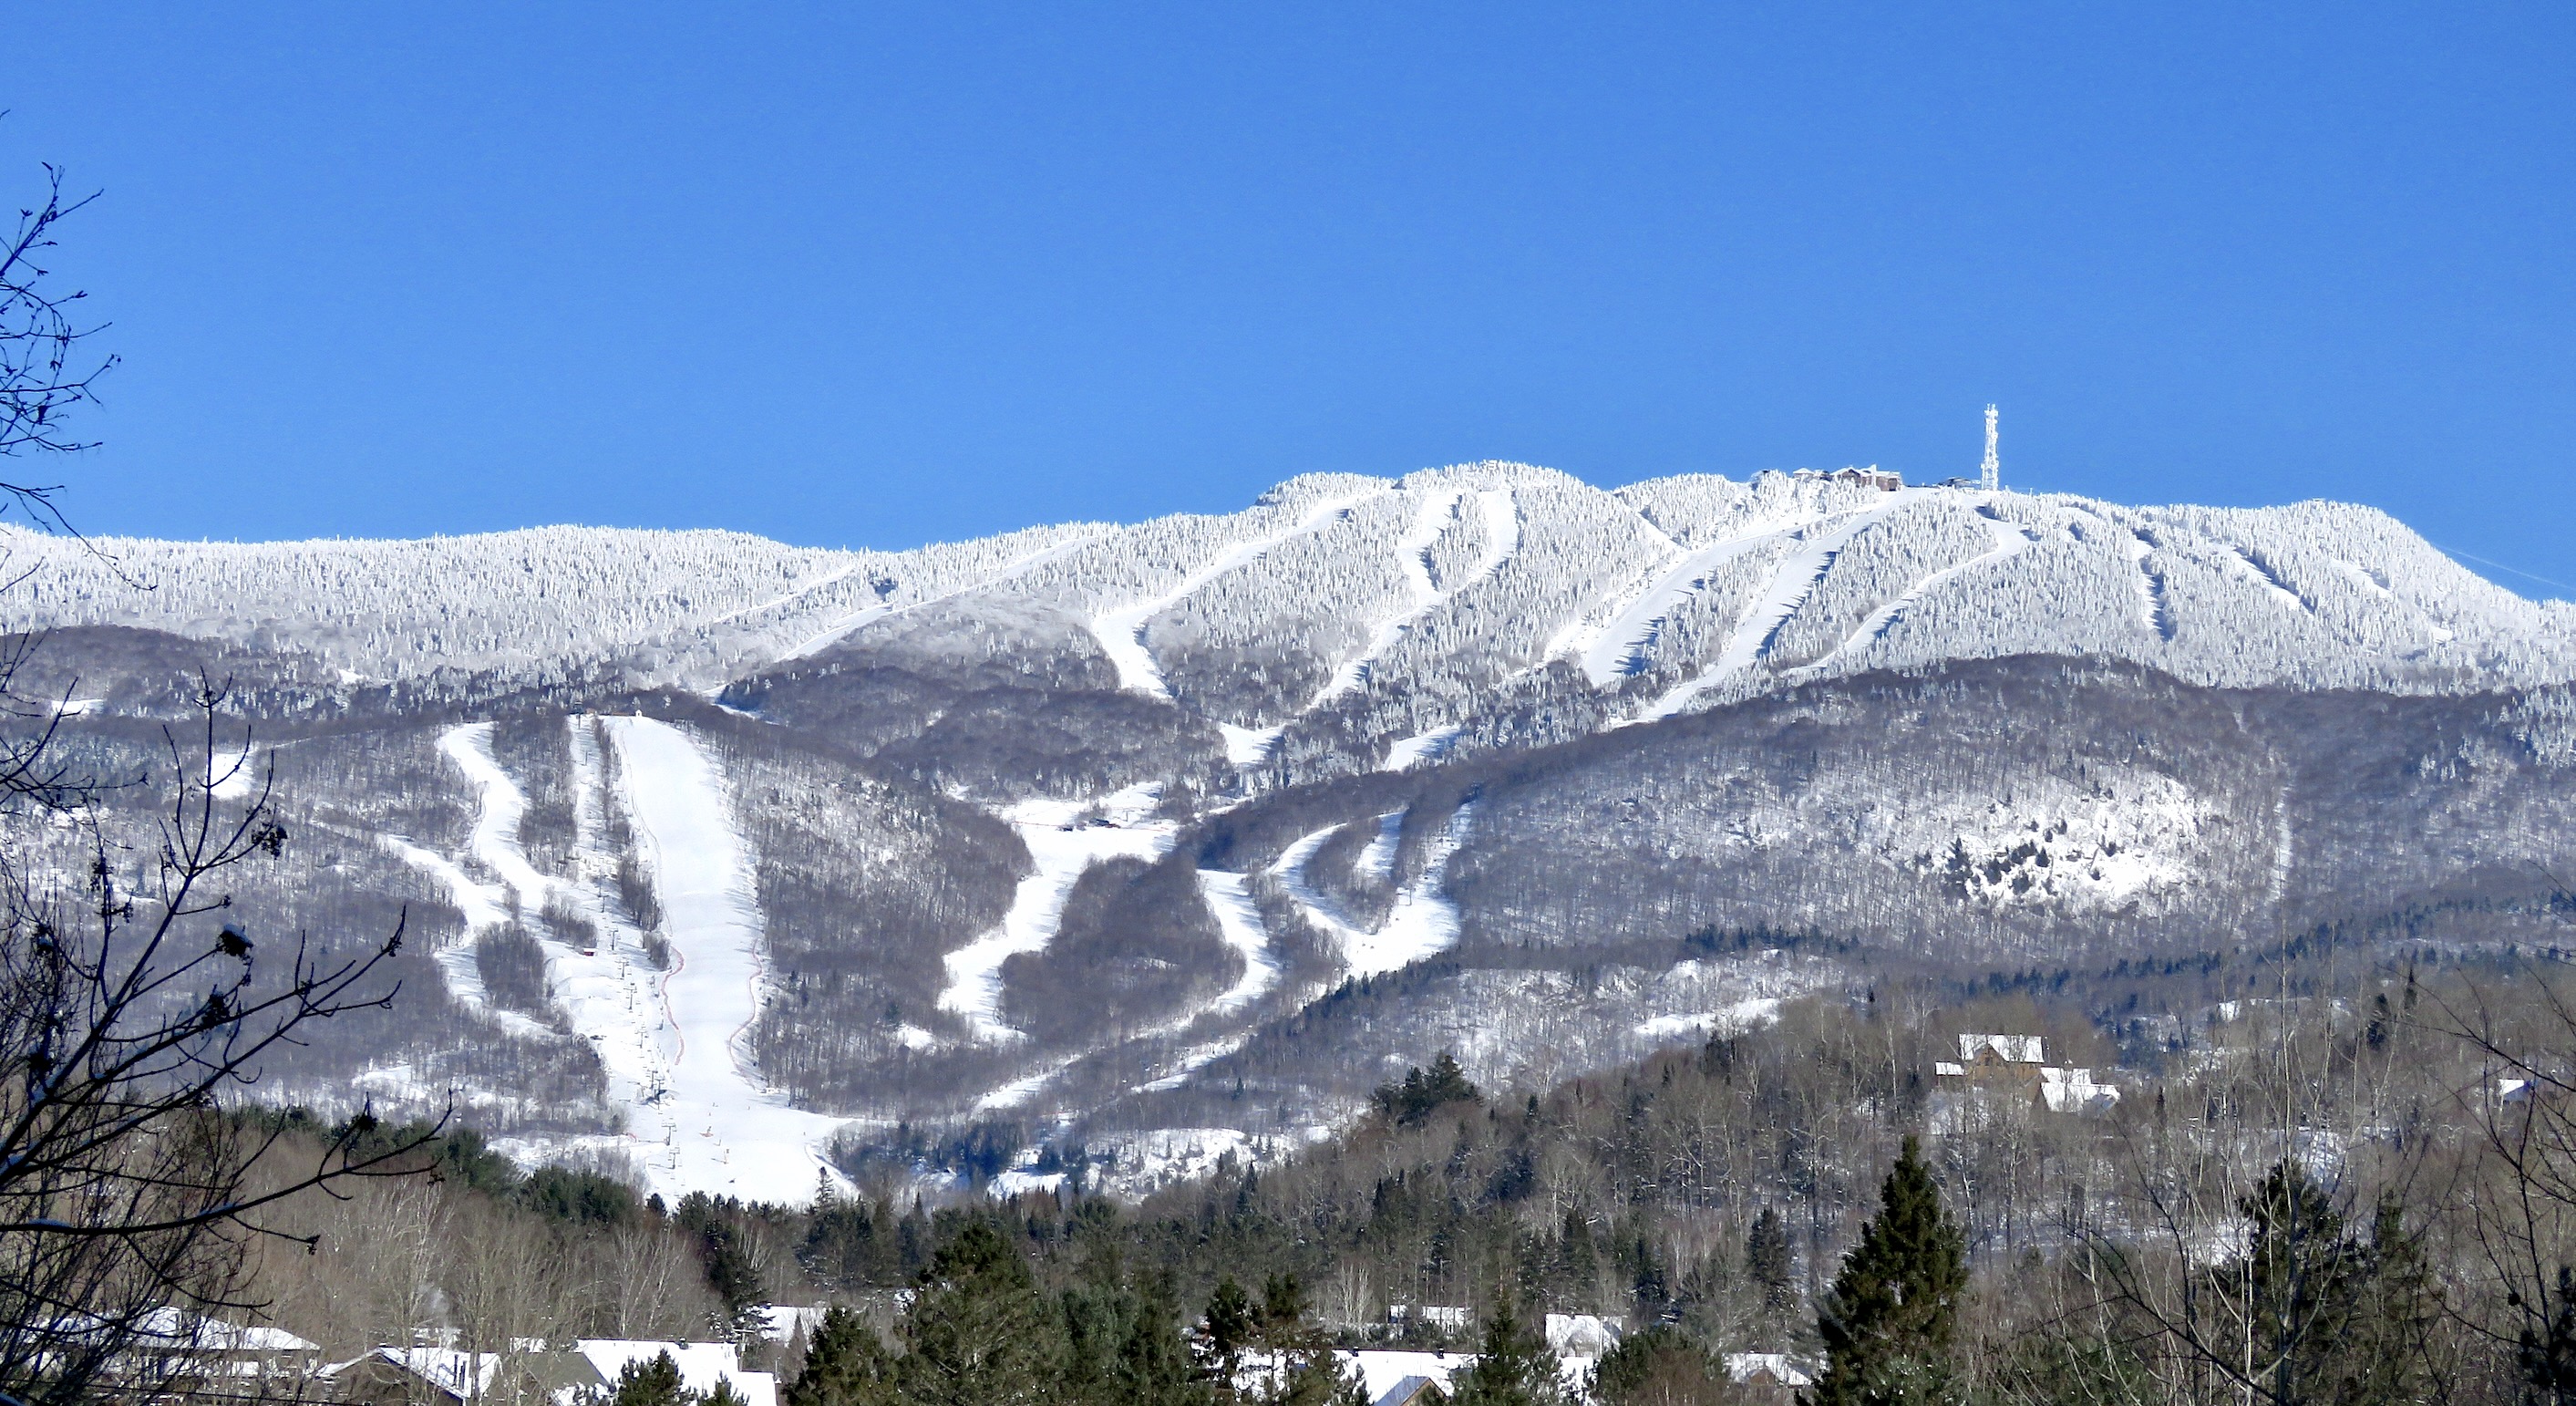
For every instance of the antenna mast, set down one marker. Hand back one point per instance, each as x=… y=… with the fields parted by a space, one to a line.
x=1990 y=473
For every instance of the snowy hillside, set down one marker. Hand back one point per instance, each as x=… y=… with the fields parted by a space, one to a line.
x=739 y=865
x=1336 y=592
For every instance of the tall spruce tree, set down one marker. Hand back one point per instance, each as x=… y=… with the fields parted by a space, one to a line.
x=845 y=1365
x=1232 y=1324
x=1514 y=1364
x=1154 y=1367
x=1889 y=1320
x=2329 y=1317
x=1769 y=1263
x=980 y=1334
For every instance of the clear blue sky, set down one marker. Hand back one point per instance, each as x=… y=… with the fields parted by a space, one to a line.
x=873 y=275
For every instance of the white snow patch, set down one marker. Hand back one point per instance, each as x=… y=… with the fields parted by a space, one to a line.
x=1743 y=1015
x=1421 y=749
x=1065 y=838
x=232 y=774
x=1249 y=746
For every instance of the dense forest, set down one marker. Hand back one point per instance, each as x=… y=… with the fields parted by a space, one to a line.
x=2351 y=1183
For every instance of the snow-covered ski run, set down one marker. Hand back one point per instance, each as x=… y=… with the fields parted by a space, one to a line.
x=697 y=1116
x=1065 y=838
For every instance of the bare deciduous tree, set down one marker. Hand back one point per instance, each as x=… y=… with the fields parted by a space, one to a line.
x=134 y=1004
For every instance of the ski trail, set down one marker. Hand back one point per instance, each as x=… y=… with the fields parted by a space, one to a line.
x=2151 y=588
x=484 y=906
x=2009 y=542
x=1239 y=921
x=495 y=837
x=1620 y=646
x=728 y=1131
x=1502 y=523
x=1790 y=585
x=1422 y=922
x=865 y=616
x=1121 y=632
x=1064 y=846
x=1249 y=746
x=695 y=1118
x=1422 y=748
x=1378 y=860
x=2280 y=589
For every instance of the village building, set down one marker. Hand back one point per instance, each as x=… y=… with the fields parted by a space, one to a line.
x=586 y=1371
x=2018 y=1065
x=1770 y=1376
x=1884 y=480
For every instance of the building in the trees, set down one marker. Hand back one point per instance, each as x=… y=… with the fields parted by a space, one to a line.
x=2018 y=1065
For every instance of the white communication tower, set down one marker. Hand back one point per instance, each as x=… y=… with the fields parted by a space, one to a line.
x=1990 y=473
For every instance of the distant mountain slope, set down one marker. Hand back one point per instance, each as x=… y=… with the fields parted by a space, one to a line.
x=1432 y=587
x=1210 y=822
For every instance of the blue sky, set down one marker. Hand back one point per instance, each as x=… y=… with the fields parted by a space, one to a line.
x=881 y=275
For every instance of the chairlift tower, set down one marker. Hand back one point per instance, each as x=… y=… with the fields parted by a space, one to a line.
x=1990 y=473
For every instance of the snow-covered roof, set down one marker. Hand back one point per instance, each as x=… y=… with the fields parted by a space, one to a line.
x=1745 y=1366
x=1943 y=1066
x=460 y=1374
x=1404 y=1392
x=701 y=1365
x=2012 y=1049
x=1380 y=1372
x=779 y=1322
x=1581 y=1332
x=193 y=1332
x=2073 y=1090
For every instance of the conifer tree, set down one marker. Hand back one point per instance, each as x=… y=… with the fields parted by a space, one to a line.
x=1769 y=1264
x=1154 y=1367
x=1231 y=1326
x=1890 y=1317
x=655 y=1382
x=1284 y=1306
x=979 y=1332
x=2330 y=1317
x=845 y=1365
x=1514 y=1365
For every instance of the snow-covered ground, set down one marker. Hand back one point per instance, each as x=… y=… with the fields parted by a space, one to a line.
x=1422 y=922
x=1240 y=921
x=1795 y=579
x=724 y=1128
x=1065 y=838
x=1121 y=632
x=697 y=1116
x=1421 y=749
x=1499 y=517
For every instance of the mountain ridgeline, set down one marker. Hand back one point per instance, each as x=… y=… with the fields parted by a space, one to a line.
x=728 y=861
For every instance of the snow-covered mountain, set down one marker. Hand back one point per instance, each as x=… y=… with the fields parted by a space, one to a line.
x=734 y=859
